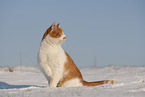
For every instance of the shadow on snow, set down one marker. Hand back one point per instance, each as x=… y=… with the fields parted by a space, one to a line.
x=4 y=85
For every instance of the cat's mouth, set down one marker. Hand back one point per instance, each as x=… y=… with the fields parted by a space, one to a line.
x=61 y=41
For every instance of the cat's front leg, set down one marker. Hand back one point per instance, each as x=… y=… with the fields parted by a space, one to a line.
x=55 y=79
x=54 y=82
x=46 y=70
x=51 y=81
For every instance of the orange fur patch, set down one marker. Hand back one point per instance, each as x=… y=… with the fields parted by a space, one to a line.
x=70 y=71
x=46 y=32
x=98 y=83
x=54 y=31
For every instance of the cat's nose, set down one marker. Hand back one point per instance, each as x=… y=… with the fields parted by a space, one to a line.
x=64 y=38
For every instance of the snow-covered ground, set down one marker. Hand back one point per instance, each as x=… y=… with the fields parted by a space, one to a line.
x=29 y=82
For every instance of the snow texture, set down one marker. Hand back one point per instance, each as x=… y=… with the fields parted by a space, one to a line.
x=29 y=82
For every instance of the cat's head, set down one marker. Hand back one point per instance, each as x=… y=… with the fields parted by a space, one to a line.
x=54 y=34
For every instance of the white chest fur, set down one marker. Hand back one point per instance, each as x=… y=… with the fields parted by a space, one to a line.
x=51 y=60
x=56 y=59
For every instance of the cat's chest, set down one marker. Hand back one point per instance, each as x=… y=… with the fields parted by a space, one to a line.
x=56 y=56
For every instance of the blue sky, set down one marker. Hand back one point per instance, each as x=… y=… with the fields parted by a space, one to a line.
x=101 y=32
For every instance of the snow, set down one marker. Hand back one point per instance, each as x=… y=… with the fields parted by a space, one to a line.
x=29 y=82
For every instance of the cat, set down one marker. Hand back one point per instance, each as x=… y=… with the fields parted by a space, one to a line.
x=56 y=65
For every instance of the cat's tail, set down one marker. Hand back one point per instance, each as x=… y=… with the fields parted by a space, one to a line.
x=99 y=83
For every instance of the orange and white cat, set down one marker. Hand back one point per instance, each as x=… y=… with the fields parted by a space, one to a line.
x=56 y=65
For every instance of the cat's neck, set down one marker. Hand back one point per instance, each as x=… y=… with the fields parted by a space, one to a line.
x=48 y=44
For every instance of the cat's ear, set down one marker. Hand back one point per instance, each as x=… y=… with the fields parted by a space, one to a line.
x=53 y=26
x=54 y=23
x=58 y=25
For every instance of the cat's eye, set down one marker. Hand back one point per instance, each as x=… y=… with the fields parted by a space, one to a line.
x=58 y=35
